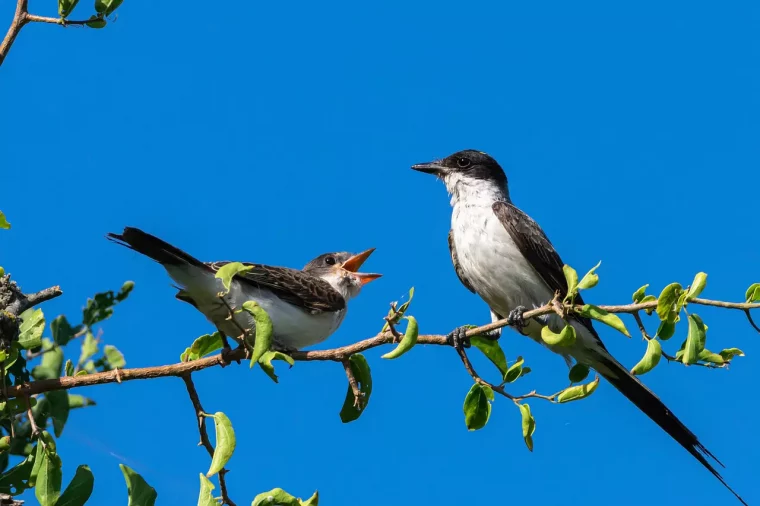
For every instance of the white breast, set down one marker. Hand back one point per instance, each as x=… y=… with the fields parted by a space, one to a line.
x=491 y=260
x=293 y=326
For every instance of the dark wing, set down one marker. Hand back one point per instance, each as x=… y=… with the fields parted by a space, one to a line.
x=538 y=250
x=457 y=267
x=311 y=293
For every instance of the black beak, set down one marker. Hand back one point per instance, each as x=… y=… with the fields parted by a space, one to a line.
x=430 y=168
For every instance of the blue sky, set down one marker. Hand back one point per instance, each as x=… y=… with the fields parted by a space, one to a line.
x=275 y=132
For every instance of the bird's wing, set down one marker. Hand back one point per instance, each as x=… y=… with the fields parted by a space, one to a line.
x=311 y=293
x=537 y=249
x=455 y=261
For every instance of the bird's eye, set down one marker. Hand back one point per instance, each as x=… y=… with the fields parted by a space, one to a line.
x=463 y=163
x=330 y=260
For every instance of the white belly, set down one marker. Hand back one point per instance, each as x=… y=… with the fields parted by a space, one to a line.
x=502 y=276
x=293 y=327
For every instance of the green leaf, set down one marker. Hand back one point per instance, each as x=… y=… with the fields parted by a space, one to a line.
x=264 y=330
x=15 y=480
x=5 y=443
x=79 y=401
x=225 y=443
x=572 y=281
x=396 y=316
x=578 y=373
x=69 y=368
x=730 y=353
x=205 y=344
x=352 y=407
x=566 y=337
x=112 y=6
x=47 y=487
x=638 y=295
x=700 y=280
x=648 y=298
x=407 y=342
x=10 y=358
x=62 y=331
x=205 y=498
x=528 y=425
x=89 y=347
x=666 y=330
x=275 y=497
x=140 y=493
x=667 y=301
x=611 y=319
x=31 y=328
x=114 y=357
x=52 y=362
x=228 y=271
x=66 y=6
x=311 y=501
x=591 y=278
x=695 y=340
x=80 y=488
x=59 y=409
x=578 y=392
x=266 y=362
x=4 y=222
x=477 y=408
x=650 y=359
x=515 y=371
x=708 y=356
x=753 y=293
x=492 y=350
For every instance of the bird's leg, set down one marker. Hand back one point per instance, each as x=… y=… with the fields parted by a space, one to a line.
x=458 y=338
x=515 y=318
x=226 y=349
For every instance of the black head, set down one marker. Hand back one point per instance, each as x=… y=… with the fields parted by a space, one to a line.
x=468 y=164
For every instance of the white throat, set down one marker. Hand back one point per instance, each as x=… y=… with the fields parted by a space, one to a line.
x=473 y=192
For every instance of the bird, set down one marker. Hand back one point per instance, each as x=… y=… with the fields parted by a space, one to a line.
x=306 y=306
x=503 y=256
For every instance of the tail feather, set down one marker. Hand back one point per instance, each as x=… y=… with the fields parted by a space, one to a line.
x=655 y=409
x=153 y=247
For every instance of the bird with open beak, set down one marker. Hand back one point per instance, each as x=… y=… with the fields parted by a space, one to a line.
x=306 y=306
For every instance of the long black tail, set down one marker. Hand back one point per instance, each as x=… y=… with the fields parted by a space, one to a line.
x=153 y=247
x=655 y=409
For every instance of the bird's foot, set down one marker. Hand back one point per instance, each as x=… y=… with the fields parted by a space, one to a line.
x=515 y=318
x=458 y=338
x=227 y=352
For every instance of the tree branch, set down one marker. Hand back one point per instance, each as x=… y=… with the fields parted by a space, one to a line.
x=21 y=18
x=334 y=355
x=205 y=442
x=18 y=22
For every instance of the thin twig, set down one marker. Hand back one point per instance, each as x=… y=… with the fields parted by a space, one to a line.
x=358 y=394
x=751 y=322
x=32 y=422
x=205 y=441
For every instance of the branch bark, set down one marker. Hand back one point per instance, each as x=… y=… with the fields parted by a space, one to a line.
x=333 y=355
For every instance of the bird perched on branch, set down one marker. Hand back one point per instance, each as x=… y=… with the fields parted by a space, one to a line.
x=504 y=256
x=305 y=306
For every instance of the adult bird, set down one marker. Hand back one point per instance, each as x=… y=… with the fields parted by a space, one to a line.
x=305 y=306
x=504 y=256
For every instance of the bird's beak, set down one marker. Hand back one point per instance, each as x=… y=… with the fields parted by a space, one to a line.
x=352 y=265
x=430 y=168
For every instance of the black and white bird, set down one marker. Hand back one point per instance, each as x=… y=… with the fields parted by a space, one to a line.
x=504 y=256
x=305 y=306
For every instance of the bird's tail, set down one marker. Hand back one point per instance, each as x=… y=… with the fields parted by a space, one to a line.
x=655 y=409
x=153 y=247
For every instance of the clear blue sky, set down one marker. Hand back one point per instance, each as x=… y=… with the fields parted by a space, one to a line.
x=274 y=132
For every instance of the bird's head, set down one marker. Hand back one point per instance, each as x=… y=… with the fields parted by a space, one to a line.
x=341 y=271
x=468 y=172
